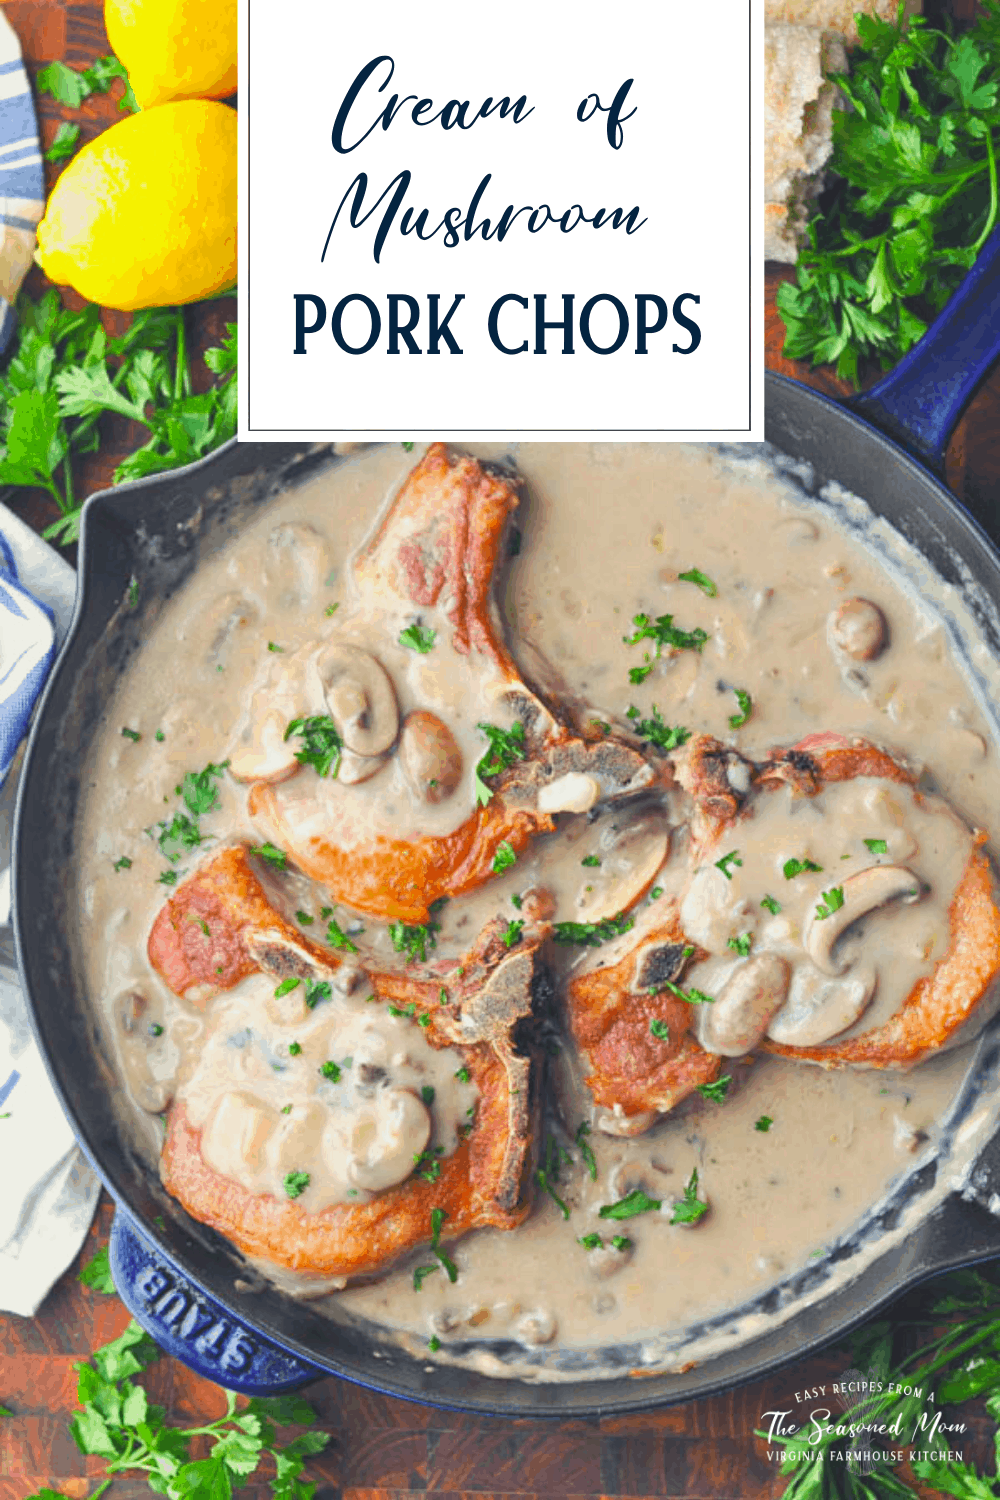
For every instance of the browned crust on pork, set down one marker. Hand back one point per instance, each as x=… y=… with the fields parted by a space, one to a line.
x=443 y=536
x=940 y=1003
x=488 y=1006
x=610 y=1010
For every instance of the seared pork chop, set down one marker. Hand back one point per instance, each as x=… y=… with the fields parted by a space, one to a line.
x=423 y=800
x=218 y=929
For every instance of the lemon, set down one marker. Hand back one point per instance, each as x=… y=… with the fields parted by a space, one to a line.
x=145 y=215
x=175 y=49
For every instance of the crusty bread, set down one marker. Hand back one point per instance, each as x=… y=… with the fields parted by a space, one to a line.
x=798 y=110
x=804 y=41
x=833 y=15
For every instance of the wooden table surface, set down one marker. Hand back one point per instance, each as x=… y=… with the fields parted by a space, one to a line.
x=386 y=1449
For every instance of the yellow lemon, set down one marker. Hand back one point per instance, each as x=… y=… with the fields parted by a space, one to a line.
x=175 y=49
x=145 y=215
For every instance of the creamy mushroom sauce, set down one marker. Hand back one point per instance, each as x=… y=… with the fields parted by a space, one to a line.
x=605 y=532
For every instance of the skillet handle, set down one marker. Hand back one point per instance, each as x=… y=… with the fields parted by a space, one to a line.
x=918 y=403
x=191 y=1326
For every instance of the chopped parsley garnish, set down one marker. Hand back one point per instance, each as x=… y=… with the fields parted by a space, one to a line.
x=419 y=638
x=294 y=1049
x=124 y=863
x=304 y=918
x=590 y=1241
x=515 y=901
x=438 y=1217
x=132 y=592
x=695 y=575
x=659 y=1029
x=689 y=1209
x=169 y=877
x=296 y=1183
x=620 y=1242
x=286 y=986
x=286 y=1109
x=585 y=1150
x=159 y=736
x=414 y=941
x=692 y=996
x=635 y=1202
x=442 y=996
x=317 y=990
x=434 y=1343
x=732 y=858
x=741 y=944
x=656 y=731
x=793 y=867
x=513 y=934
x=270 y=854
x=591 y=861
x=420 y=1275
x=876 y=846
x=717 y=1089
x=155 y=1029
x=426 y=1164
x=462 y=1074
x=593 y=934
x=504 y=857
x=746 y=709
x=337 y=938
x=331 y=609
x=331 y=1070
x=832 y=901
x=506 y=748
x=548 y=1175
x=272 y=646
x=773 y=906
x=131 y=734
x=427 y=1094
x=179 y=834
x=322 y=744
x=656 y=893
x=763 y=1124
x=601 y=725
x=663 y=632
x=199 y=790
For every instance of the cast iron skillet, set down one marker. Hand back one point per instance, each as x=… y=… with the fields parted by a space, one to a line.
x=185 y=1284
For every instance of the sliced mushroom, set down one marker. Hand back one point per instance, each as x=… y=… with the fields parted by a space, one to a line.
x=863 y=893
x=739 y=1018
x=537 y=1327
x=617 y=1123
x=298 y=561
x=360 y=698
x=228 y=614
x=268 y=756
x=859 y=629
x=429 y=756
x=818 y=1008
x=234 y=1139
x=379 y=1140
x=355 y=768
x=605 y=1260
x=628 y=867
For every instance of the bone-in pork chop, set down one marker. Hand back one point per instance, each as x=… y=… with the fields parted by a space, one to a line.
x=219 y=930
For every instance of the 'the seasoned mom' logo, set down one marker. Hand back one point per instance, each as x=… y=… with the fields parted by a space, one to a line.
x=881 y=1420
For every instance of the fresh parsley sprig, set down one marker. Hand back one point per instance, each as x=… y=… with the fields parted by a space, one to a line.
x=914 y=192
x=66 y=373
x=118 y=1423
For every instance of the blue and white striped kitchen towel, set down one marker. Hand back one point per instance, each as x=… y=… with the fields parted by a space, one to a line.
x=47 y=1190
x=22 y=177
